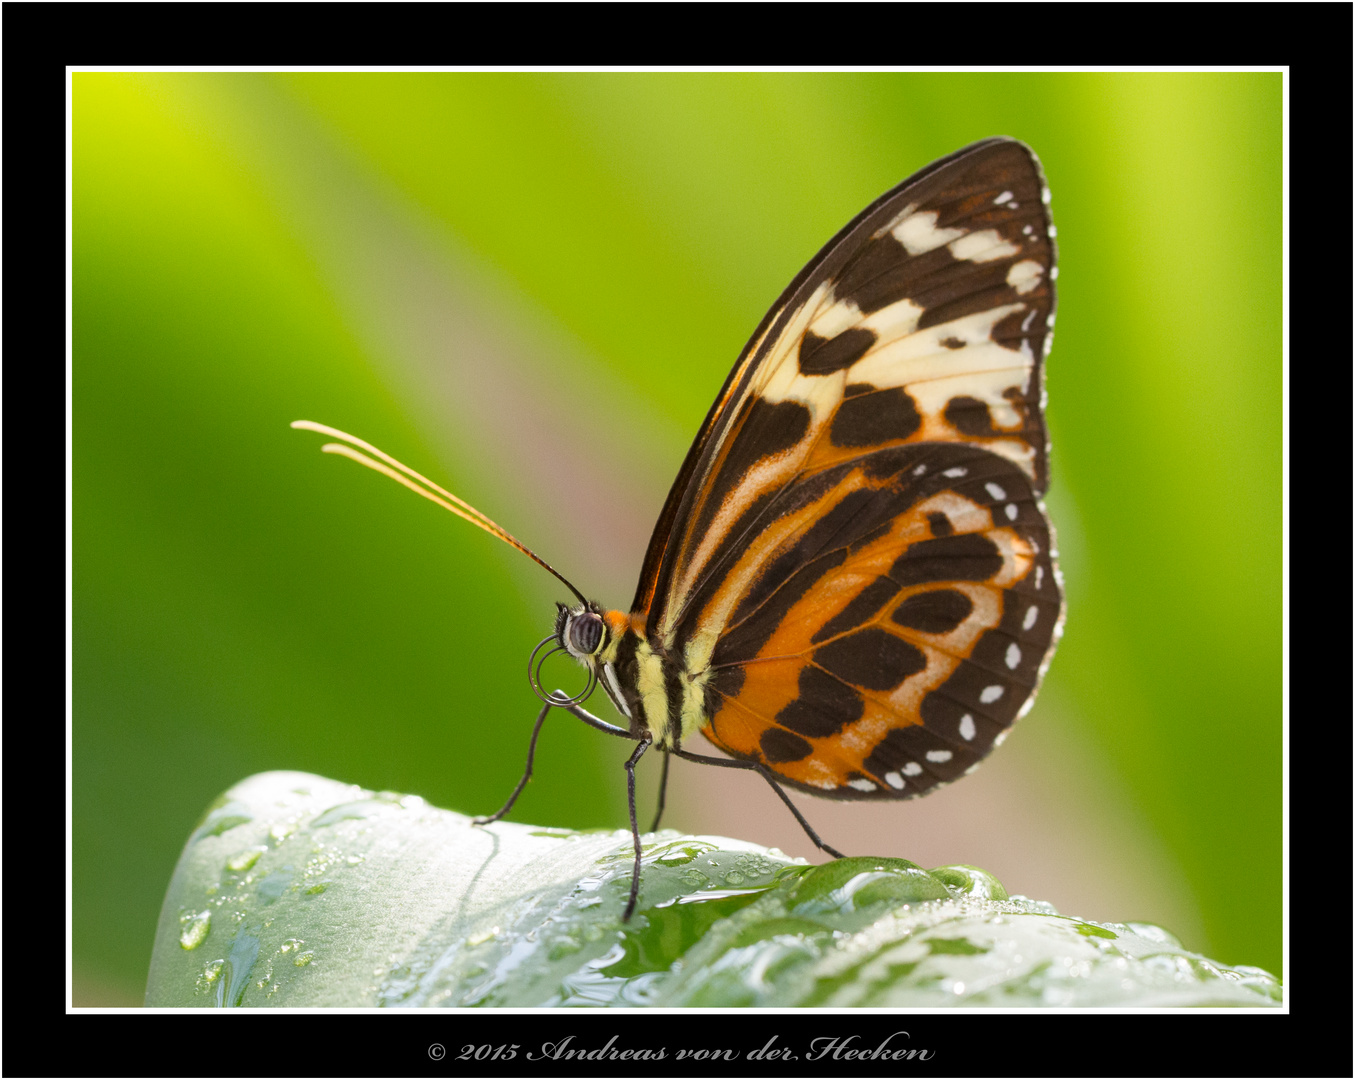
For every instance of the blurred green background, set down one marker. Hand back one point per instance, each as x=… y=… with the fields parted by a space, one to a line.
x=529 y=287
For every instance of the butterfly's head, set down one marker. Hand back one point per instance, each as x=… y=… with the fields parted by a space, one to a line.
x=582 y=632
x=589 y=634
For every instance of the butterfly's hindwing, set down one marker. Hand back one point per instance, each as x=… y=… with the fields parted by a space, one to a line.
x=883 y=649
x=853 y=580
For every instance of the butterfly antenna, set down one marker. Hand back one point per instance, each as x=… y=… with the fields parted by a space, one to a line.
x=421 y=485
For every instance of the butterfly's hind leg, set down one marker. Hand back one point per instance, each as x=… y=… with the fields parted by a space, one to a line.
x=587 y=717
x=765 y=773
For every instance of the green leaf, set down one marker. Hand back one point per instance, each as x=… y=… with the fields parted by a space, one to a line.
x=298 y=890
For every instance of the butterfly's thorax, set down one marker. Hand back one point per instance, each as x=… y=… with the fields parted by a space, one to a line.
x=654 y=686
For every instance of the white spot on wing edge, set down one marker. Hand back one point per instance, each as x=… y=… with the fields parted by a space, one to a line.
x=1013 y=655
x=995 y=490
x=1032 y=613
x=912 y=769
x=990 y=694
x=939 y=756
x=1025 y=275
x=894 y=780
x=862 y=785
x=967 y=728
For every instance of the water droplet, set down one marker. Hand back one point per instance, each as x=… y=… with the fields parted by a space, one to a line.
x=281 y=831
x=196 y=926
x=971 y=882
x=316 y=889
x=222 y=819
x=304 y=958
x=245 y=859
x=483 y=936
x=290 y=944
x=733 y=877
x=211 y=971
x=382 y=804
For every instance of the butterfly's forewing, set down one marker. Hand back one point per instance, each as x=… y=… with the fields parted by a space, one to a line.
x=853 y=561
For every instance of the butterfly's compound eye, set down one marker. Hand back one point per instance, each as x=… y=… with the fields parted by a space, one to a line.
x=584 y=634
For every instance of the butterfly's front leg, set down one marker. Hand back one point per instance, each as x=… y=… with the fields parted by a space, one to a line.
x=582 y=714
x=591 y=720
x=531 y=753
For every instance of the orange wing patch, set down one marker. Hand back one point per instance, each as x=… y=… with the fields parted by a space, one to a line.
x=846 y=677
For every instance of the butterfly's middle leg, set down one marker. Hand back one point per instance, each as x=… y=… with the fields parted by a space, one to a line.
x=611 y=729
x=758 y=767
x=645 y=740
x=663 y=793
x=634 y=826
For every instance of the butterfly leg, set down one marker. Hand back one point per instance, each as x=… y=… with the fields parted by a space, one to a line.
x=634 y=827
x=586 y=717
x=531 y=753
x=591 y=720
x=663 y=791
x=765 y=773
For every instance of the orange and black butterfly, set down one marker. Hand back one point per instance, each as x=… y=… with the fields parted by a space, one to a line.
x=852 y=587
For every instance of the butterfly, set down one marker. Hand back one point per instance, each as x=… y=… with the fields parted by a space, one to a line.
x=852 y=588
